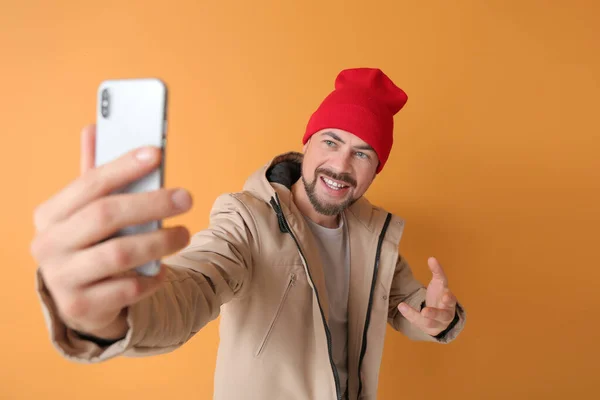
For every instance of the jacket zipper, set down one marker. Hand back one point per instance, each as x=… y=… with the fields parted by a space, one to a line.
x=281 y=303
x=285 y=228
x=363 y=349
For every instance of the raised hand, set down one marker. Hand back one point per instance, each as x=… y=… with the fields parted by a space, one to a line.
x=440 y=303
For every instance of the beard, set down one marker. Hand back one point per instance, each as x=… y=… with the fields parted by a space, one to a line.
x=325 y=208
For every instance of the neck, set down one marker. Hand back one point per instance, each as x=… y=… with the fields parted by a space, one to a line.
x=306 y=208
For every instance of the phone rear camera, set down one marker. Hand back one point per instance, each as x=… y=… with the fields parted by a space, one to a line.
x=105 y=104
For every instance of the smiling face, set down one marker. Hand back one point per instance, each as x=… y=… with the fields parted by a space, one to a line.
x=337 y=170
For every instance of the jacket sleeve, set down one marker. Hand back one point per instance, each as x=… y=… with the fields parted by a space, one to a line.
x=215 y=267
x=405 y=288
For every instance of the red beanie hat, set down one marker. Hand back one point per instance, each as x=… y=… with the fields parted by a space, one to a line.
x=363 y=103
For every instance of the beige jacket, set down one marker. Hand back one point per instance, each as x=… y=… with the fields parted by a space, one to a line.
x=258 y=267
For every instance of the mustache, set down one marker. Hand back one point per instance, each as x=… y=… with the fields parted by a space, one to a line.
x=343 y=177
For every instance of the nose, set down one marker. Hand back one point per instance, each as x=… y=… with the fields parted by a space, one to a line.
x=340 y=163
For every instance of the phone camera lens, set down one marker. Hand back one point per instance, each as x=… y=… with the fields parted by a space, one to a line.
x=105 y=104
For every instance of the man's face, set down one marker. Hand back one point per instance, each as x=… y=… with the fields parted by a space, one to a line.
x=337 y=170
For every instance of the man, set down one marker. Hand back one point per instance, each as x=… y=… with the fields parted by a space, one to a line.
x=303 y=270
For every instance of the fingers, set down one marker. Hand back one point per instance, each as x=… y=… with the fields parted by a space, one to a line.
x=120 y=255
x=96 y=183
x=103 y=218
x=437 y=271
x=438 y=314
x=88 y=148
x=428 y=325
x=106 y=216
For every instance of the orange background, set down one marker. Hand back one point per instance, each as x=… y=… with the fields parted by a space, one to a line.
x=495 y=168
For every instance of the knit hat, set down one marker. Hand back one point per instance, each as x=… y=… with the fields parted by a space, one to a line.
x=363 y=103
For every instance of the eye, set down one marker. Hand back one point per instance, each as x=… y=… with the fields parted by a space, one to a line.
x=329 y=143
x=360 y=154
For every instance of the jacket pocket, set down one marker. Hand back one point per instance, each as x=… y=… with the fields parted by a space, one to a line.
x=263 y=343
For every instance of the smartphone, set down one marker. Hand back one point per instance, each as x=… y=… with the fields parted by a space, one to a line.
x=132 y=113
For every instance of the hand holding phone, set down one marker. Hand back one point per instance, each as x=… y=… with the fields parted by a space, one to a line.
x=88 y=269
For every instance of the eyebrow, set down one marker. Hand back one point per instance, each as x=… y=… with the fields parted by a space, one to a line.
x=336 y=137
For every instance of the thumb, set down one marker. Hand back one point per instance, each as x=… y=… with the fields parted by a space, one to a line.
x=409 y=313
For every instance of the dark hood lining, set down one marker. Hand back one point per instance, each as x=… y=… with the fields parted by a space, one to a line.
x=286 y=170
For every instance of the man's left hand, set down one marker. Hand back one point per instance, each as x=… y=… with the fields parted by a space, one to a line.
x=439 y=300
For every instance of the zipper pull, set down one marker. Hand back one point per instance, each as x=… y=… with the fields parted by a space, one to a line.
x=280 y=219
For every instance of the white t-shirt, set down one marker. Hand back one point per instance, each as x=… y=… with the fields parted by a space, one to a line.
x=334 y=250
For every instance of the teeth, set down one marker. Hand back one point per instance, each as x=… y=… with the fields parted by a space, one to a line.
x=333 y=185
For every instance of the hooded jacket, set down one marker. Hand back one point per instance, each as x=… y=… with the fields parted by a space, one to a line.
x=257 y=266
